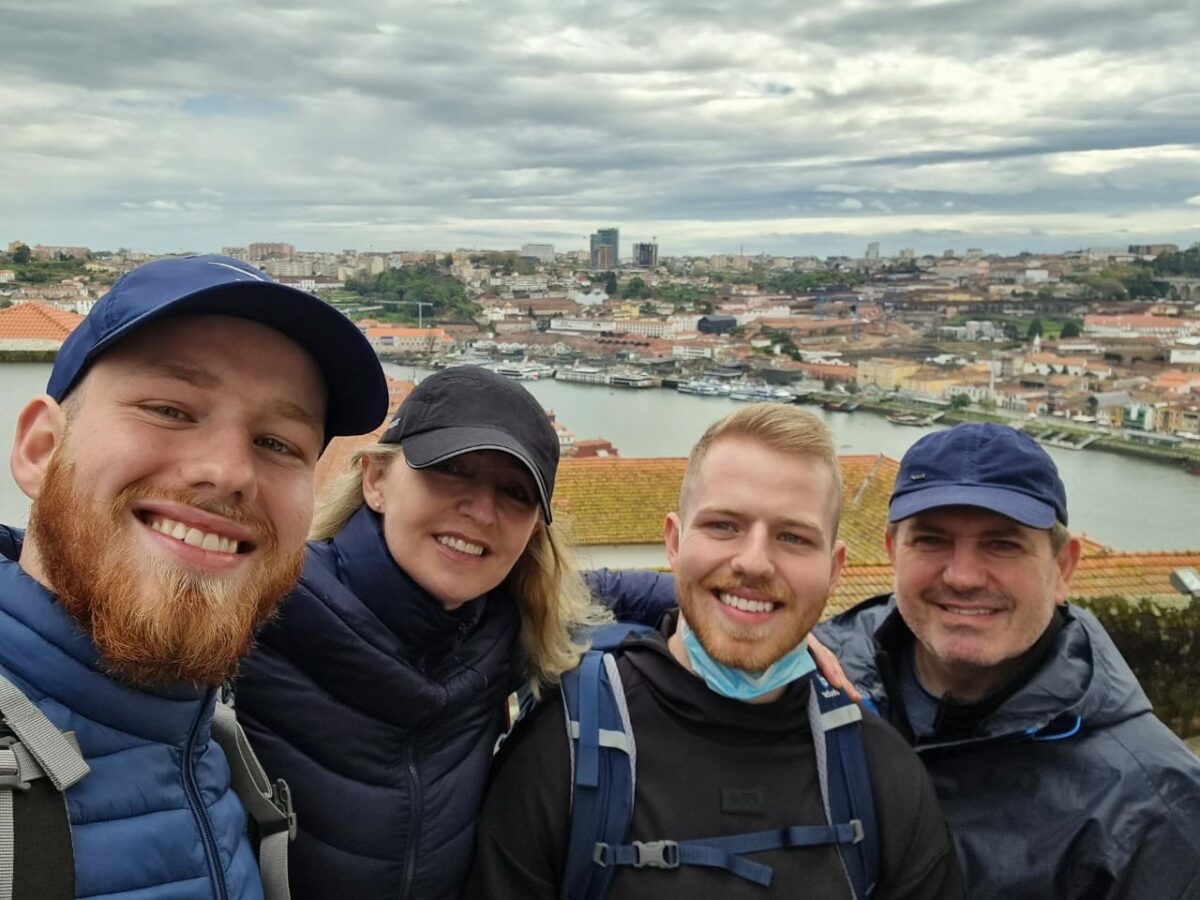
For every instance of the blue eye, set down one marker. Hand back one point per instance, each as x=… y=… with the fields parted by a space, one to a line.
x=274 y=444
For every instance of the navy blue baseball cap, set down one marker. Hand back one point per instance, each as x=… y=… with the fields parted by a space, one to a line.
x=468 y=408
x=989 y=466
x=221 y=286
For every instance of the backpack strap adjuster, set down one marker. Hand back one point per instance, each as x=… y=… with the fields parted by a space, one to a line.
x=281 y=796
x=639 y=854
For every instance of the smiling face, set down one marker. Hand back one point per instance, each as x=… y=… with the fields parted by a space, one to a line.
x=977 y=590
x=170 y=512
x=753 y=551
x=457 y=527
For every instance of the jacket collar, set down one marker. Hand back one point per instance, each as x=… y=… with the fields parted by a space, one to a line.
x=366 y=567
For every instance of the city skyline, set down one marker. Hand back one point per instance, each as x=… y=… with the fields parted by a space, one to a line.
x=790 y=129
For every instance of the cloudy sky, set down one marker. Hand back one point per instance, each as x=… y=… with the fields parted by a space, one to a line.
x=785 y=126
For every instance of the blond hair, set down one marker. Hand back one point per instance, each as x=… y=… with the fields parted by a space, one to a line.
x=555 y=605
x=787 y=429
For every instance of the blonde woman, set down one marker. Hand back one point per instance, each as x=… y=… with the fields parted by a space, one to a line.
x=436 y=583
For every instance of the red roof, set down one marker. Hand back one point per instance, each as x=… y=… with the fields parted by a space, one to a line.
x=38 y=322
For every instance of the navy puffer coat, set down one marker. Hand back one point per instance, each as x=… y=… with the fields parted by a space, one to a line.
x=155 y=817
x=381 y=710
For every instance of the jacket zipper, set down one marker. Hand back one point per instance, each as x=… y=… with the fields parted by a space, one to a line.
x=414 y=820
x=193 y=794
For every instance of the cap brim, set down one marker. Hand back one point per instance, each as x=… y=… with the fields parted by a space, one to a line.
x=358 y=395
x=432 y=447
x=1012 y=504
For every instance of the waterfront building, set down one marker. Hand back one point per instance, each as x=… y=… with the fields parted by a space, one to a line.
x=389 y=339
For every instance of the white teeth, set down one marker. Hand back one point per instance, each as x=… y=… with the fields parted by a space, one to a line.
x=756 y=606
x=462 y=546
x=969 y=611
x=194 y=536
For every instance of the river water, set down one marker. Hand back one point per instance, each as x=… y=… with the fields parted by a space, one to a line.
x=1127 y=503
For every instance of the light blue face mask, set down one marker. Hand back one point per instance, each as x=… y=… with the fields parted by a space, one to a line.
x=738 y=684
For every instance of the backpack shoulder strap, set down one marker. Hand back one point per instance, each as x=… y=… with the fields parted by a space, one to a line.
x=603 y=772
x=38 y=763
x=268 y=805
x=845 y=781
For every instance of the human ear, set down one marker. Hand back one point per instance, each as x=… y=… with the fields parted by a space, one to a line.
x=374 y=471
x=671 y=533
x=1068 y=559
x=41 y=426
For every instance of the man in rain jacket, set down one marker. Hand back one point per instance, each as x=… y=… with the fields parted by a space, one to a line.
x=1056 y=778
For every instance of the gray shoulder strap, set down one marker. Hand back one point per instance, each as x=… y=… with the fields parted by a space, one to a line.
x=269 y=805
x=57 y=756
x=39 y=750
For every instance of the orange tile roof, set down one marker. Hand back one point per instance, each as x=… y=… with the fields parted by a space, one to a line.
x=618 y=500
x=623 y=500
x=37 y=321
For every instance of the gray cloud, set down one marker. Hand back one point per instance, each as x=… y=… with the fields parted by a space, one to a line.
x=794 y=127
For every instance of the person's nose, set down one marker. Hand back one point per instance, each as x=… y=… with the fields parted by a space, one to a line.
x=223 y=464
x=752 y=558
x=965 y=570
x=479 y=502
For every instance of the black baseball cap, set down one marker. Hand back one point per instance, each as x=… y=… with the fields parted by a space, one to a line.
x=468 y=408
x=220 y=285
x=984 y=465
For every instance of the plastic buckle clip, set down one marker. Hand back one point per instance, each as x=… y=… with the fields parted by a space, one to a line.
x=657 y=854
x=857 y=825
x=282 y=797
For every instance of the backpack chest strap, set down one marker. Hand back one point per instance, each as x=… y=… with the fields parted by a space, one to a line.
x=724 y=852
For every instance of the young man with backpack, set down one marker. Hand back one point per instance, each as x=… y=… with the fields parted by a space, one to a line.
x=705 y=759
x=171 y=465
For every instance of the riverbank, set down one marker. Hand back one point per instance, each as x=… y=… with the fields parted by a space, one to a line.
x=1173 y=456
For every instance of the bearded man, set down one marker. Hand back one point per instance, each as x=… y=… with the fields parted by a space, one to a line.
x=717 y=699
x=170 y=464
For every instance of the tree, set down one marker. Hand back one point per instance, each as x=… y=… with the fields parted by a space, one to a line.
x=635 y=289
x=610 y=284
x=1035 y=329
x=1071 y=329
x=21 y=254
x=960 y=401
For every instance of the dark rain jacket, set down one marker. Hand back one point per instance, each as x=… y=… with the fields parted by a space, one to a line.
x=1068 y=789
x=156 y=816
x=381 y=711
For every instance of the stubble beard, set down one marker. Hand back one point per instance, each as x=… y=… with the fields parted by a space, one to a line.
x=750 y=648
x=152 y=621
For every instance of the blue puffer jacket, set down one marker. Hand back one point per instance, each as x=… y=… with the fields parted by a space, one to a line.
x=156 y=818
x=1069 y=789
x=381 y=710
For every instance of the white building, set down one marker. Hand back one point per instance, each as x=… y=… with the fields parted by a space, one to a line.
x=543 y=253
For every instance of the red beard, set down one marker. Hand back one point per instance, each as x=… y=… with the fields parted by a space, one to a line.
x=153 y=622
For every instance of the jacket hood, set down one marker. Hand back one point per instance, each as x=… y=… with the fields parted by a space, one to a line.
x=1082 y=683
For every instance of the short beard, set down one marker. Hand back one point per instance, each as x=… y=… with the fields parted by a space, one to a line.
x=152 y=622
x=752 y=649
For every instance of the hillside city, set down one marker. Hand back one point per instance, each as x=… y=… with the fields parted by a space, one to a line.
x=1099 y=344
